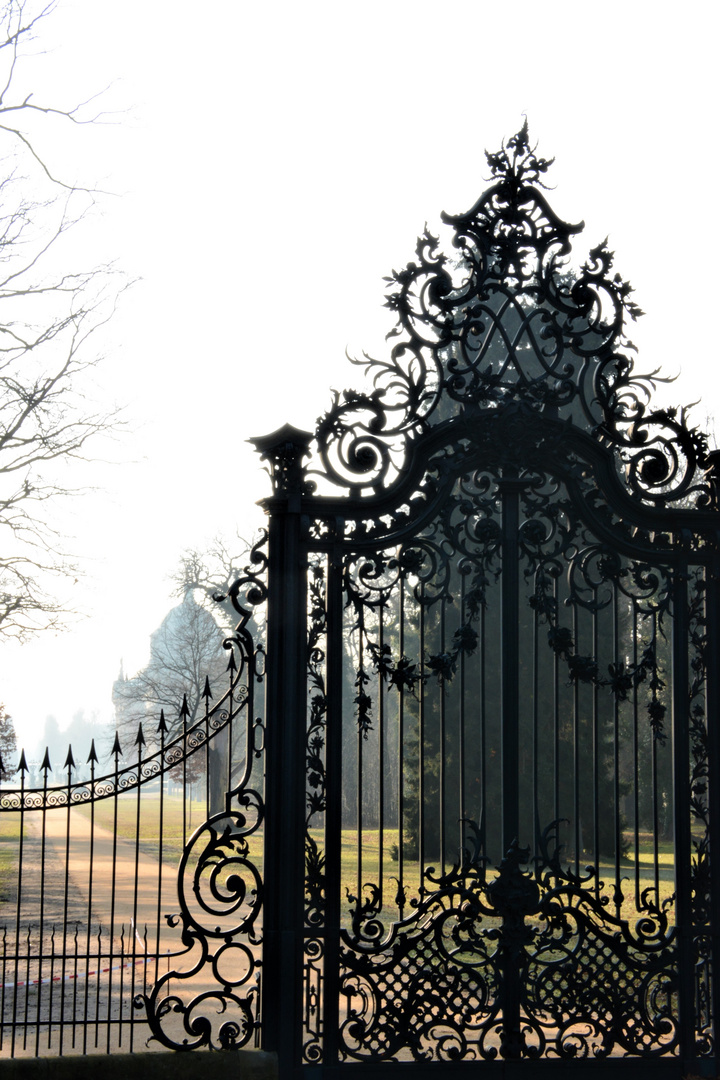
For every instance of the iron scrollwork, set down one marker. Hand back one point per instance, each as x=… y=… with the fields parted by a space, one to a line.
x=211 y=997
x=499 y=316
x=509 y=519
x=586 y=983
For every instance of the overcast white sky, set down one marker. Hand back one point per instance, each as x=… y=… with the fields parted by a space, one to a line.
x=277 y=160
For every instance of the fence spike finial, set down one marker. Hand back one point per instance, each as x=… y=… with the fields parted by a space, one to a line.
x=92 y=756
x=117 y=749
x=231 y=665
x=46 y=766
x=23 y=765
x=140 y=739
x=184 y=708
x=162 y=726
x=69 y=760
x=2 y=766
x=207 y=693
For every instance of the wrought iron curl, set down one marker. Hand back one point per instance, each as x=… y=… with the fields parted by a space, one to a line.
x=666 y=458
x=251 y=586
x=199 y=1020
x=499 y=317
x=220 y=894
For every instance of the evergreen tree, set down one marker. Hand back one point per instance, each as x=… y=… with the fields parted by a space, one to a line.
x=8 y=744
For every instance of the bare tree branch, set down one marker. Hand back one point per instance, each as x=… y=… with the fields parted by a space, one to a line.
x=184 y=650
x=50 y=318
x=210 y=572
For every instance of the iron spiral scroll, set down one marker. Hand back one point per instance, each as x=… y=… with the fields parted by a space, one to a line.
x=210 y=997
x=220 y=894
x=500 y=314
x=438 y=984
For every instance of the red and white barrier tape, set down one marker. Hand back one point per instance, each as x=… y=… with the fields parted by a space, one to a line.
x=76 y=974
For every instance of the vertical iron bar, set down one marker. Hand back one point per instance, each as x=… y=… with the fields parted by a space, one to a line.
x=51 y=989
x=616 y=758
x=184 y=718
x=536 y=824
x=121 y=988
x=285 y=802
x=382 y=750
x=75 y=986
x=597 y=809
x=359 y=780
x=228 y=765
x=162 y=729
x=45 y=767
x=556 y=719
x=462 y=813
x=98 y=969
x=483 y=733
x=92 y=758
x=712 y=714
x=2 y=989
x=28 y=954
x=401 y=758
x=113 y=881
x=683 y=796
x=509 y=659
x=636 y=761
x=443 y=750
x=138 y=826
x=18 y=910
x=69 y=766
x=655 y=817
x=576 y=747
x=421 y=751
x=206 y=748
x=333 y=814
x=512 y=1037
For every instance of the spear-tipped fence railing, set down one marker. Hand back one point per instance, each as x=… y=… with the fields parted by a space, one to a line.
x=93 y=914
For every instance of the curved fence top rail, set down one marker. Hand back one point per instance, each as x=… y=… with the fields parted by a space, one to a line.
x=167 y=755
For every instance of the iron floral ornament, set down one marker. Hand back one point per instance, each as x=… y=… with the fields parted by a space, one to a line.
x=500 y=315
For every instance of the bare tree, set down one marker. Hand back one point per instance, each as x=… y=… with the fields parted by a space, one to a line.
x=49 y=320
x=184 y=651
x=211 y=572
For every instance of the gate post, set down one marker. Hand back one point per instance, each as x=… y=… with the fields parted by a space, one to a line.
x=284 y=866
x=713 y=730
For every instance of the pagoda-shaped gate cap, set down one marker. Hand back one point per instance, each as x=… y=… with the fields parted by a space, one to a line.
x=285 y=450
x=284 y=437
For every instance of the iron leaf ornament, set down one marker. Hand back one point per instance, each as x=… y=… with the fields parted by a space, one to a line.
x=501 y=315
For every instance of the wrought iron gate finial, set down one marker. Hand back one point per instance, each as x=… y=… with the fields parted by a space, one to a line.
x=501 y=314
x=285 y=449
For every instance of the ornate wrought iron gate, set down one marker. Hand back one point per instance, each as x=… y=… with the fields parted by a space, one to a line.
x=490 y=741
x=492 y=681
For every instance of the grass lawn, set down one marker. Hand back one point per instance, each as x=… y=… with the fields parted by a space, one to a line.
x=175 y=830
x=9 y=837
x=354 y=874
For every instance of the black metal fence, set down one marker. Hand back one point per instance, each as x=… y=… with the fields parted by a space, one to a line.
x=112 y=879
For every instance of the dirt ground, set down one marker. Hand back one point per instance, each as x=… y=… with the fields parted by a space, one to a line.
x=73 y=991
